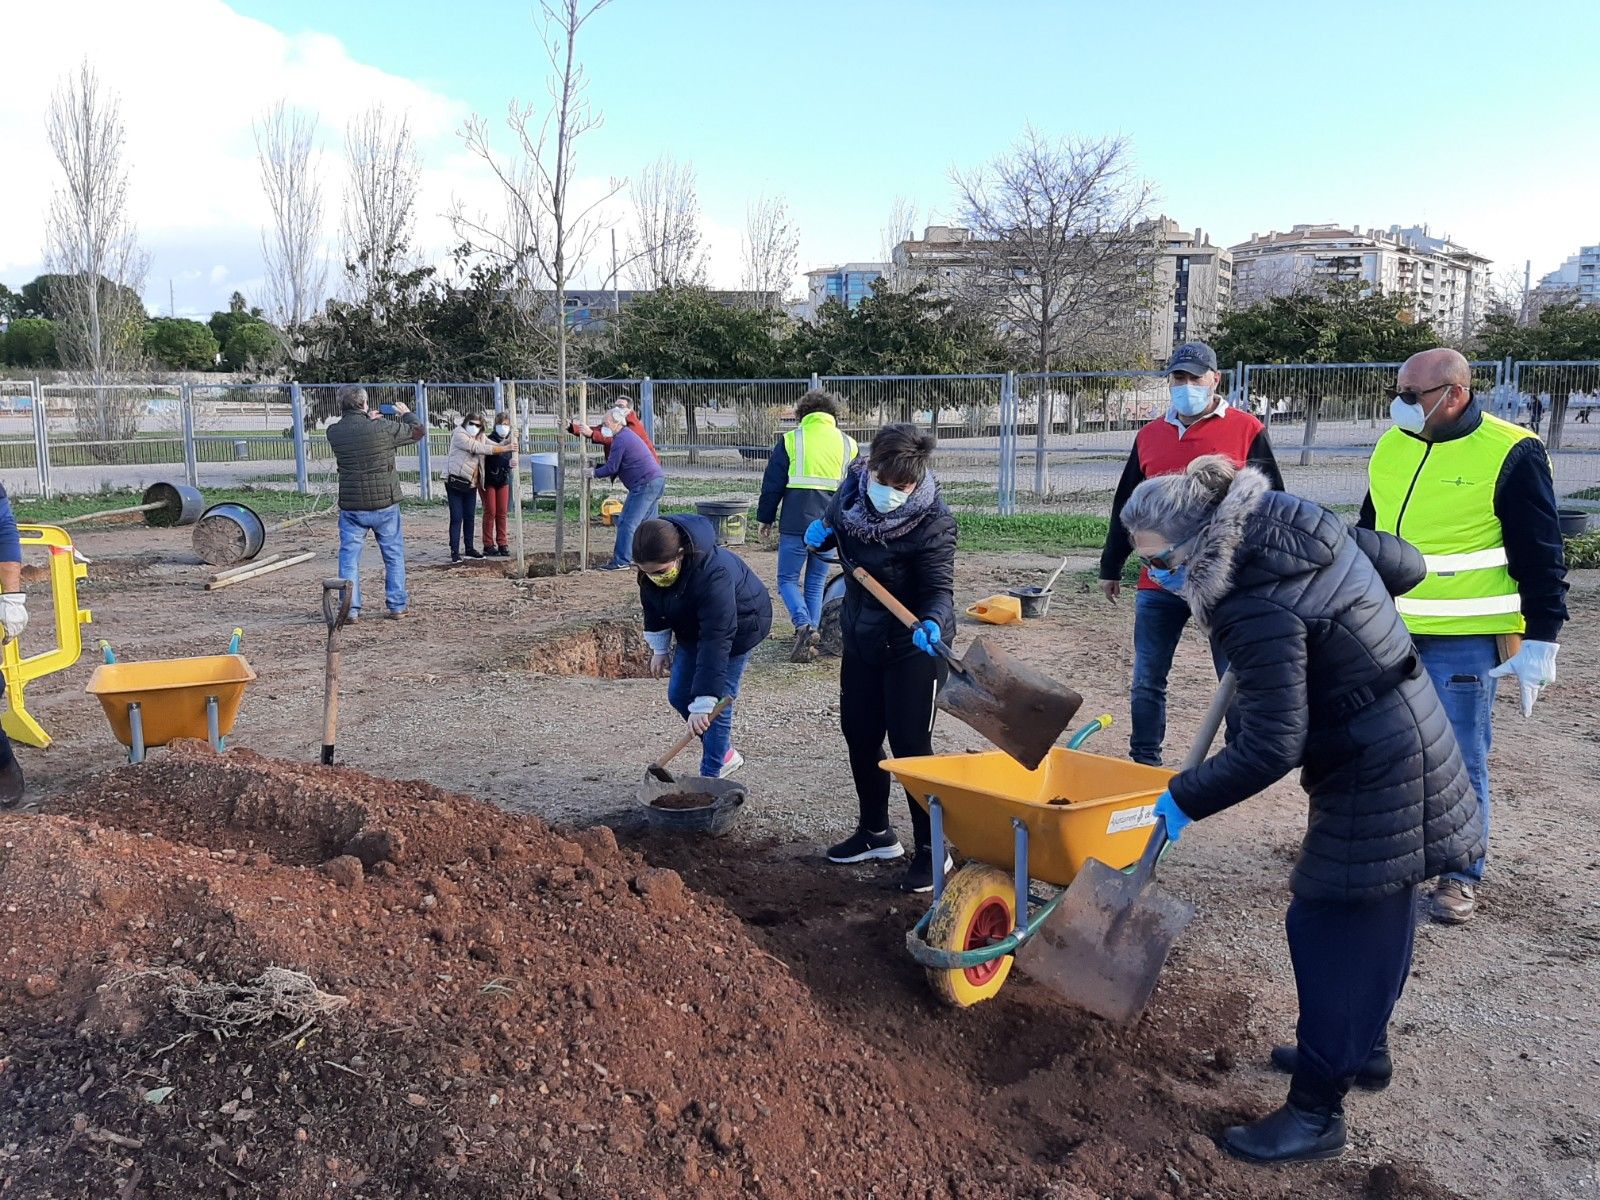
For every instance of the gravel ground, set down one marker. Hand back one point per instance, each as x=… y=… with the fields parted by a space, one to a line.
x=1497 y=1045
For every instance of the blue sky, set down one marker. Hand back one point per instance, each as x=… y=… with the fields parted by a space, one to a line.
x=1476 y=118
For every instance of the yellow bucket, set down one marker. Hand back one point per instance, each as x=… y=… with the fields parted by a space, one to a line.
x=996 y=610
x=609 y=508
x=171 y=694
x=1108 y=814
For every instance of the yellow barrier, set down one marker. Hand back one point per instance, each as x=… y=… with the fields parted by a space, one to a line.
x=19 y=671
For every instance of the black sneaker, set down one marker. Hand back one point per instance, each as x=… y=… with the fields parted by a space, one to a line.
x=919 y=875
x=863 y=845
x=474 y=553
x=455 y=556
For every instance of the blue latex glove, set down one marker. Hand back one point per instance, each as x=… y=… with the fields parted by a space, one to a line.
x=817 y=533
x=1177 y=819
x=926 y=637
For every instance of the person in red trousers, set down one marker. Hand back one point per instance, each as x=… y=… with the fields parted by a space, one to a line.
x=494 y=486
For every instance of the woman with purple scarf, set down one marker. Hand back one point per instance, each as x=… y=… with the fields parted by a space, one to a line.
x=887 y=518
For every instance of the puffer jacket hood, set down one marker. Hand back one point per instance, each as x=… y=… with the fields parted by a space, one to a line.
x=1329 y=681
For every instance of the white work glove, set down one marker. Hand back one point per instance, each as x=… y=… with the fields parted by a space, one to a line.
x=13 y=614
x=700 y=714
x=660 y=643
x=1535 y=669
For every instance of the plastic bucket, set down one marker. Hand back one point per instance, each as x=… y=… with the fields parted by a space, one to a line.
x=709 y=820
x=1574 y=521
x=544 y=473
x=181 y=504
x=728 y=516
x=996 y=610
x=1035 y=600
x=228 y=533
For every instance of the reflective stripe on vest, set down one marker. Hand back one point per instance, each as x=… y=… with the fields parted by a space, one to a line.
x=829 y=457
x=1439 y=496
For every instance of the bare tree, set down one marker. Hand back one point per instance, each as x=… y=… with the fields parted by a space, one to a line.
x=544 y=234
x=380 y=202
x=666 y=249
x=296 y=270
x=900 y=227
x=770 y=249
x=93 y=250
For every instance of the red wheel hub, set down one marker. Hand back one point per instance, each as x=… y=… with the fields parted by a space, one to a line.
x=990 y=924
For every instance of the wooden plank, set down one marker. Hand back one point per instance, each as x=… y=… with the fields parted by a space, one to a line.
x=260 y=569
x=249 y=566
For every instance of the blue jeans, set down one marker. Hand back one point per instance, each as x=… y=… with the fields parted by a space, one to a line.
x=463 y=516
x=643 y=504
x=385 y=525
x=680 y=694
x=1459 y=668
x=805 y=606
x=1158 y=621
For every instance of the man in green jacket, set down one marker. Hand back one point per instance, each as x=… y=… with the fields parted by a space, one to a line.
x=364 y=445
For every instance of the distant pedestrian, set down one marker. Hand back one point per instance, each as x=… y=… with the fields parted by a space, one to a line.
x=805 y=469
x=630 y=461
x=463 y=472
x=1536 y=410
x=364 y=445
x=495 y=489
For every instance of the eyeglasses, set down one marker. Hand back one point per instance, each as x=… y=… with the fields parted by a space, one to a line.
x=1414 y=397
x=1163 y=560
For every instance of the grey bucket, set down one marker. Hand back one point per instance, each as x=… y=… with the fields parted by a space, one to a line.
x=544 y=473
x=728 y=515
x=1574 y=521
x=239 y=523
x=714 y=820
x=181 y=504
x=1035 y=600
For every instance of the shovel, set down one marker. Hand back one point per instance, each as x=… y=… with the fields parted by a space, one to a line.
x=1017 y=708
x=336 y=595
x=1104 y=946
x=658 y=769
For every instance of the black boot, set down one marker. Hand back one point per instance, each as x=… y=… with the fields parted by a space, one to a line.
x=1373 y=1076
x=11 y=783
x=1309 y=1126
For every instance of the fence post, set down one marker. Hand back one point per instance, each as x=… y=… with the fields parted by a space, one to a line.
x=518 y=567
x=584 y=481
x=424 y=461
x=1042 y=420
x=1008 y=444
x=191 y=463
x=816 y=383
x=41 y=441
x=297 y=416
x=647 y=406
x=1241 y=382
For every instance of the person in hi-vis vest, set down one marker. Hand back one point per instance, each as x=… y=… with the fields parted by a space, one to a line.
x=806 y=467
x=1475 y=495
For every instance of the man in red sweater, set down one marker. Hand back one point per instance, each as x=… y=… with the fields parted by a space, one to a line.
x=601 y=436
x=1198 y=422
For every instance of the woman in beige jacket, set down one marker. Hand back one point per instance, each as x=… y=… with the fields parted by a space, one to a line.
x=463 y=470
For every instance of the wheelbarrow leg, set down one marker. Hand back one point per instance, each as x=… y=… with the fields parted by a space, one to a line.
x=136 y=728
x=1019 y=874
x=936 y=822
x=212 y=735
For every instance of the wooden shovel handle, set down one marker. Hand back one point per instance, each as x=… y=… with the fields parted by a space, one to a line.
x=681 y=743
x=881 y=594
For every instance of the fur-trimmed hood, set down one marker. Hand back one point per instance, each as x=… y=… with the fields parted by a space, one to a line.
x=1257 y=534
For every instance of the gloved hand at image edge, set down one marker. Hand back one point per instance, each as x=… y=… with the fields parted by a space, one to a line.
x=926 y=637
x=1534 y=666
x=817 y=534
x=13 y=614
x=1177 y=820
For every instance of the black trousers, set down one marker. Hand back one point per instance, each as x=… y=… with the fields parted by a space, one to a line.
x=5 y=743
x=1350 y=966
x=892 y=700
x=463 y=512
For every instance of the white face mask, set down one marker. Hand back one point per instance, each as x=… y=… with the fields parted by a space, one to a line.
x=1410 y=417
x=473 y=428
x=885 y=498
x=1190 y=399
x=502 y=430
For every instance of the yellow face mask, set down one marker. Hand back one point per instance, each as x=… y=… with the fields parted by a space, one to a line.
x=668 y=577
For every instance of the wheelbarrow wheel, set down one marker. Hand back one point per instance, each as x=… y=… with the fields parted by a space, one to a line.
x=978 y=908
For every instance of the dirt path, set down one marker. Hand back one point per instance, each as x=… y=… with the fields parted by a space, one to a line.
x=1497 y=1044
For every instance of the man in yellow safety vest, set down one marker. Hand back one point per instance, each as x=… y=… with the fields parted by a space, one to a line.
x=805 y=468
x=1475 y=495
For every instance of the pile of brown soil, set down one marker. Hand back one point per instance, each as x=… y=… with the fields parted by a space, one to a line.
x=528 y=1015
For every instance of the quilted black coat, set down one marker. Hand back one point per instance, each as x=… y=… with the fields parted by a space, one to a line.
x=1330 y=682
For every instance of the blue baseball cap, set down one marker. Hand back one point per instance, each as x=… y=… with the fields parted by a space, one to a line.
x=1193 y=358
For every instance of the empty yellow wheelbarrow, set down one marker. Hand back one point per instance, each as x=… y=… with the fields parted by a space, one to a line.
x=1015 y=826
x=157 y=702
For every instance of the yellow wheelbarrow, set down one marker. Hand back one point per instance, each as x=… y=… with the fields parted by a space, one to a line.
x=1015 y=827
x=157 y=702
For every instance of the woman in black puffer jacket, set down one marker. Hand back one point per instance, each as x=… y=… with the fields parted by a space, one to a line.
x=887 y=518
x=1301 y=607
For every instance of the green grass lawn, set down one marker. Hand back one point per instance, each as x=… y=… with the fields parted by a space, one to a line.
x=1045 y=533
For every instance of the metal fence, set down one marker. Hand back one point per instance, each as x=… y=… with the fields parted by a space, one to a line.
x=1007 y=443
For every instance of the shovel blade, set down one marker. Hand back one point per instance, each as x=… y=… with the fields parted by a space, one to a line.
x=1019 y=709
x=1103 y=947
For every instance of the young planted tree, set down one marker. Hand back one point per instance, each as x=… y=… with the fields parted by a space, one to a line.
x=545 y=232
x=291 y=245
x=770 y=250
x=93 y=254
x=665 y=249
x=380 y=203
x=1063 y=253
